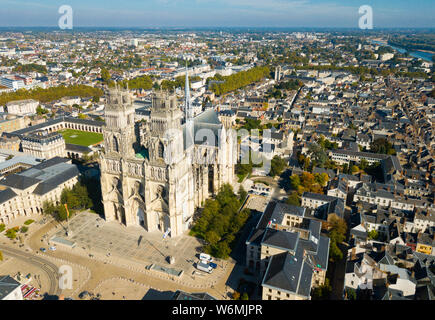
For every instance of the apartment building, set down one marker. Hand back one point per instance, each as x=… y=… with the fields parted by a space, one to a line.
x=24 y=193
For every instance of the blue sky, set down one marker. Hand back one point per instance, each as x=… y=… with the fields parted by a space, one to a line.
x=218 y=13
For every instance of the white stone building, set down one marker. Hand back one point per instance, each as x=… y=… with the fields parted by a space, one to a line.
x=44 y=145
x=22 y=107
x=24 y=194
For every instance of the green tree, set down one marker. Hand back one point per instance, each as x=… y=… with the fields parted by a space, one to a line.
x=322 y=292
x=1 y=256
x=105 y=75
x=50 y=94
x=223 y=250
x=364 y=164
x=317 y=154
x=354 y=169
x=237 y=80
x=350 y=294
x=245 y=296
x=382 y=145
x=322 y=179
x=337 y=229
x=294 y=199
x=242 y=194
x=277 y=166
x=373 y=235
x=220 y=221
x=40 y=111
x=11 y=233
x=212 y=237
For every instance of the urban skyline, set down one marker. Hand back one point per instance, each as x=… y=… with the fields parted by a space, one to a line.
x=222 y=13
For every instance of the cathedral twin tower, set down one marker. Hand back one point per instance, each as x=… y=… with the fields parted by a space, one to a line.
x=156 y=175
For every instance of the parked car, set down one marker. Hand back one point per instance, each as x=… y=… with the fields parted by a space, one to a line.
x=43 y=249
x=52 y=248
x=213 y=265
x=205 y=257
x=83 y=294
x=204 y=267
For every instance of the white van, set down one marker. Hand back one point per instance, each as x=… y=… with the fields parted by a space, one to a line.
x=204 y=267
x=205 y=257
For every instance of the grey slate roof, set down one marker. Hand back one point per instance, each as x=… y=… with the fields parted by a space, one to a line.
x=7 y=285
x=53 y=182
x=19 y=181
x=255 y=237
x=279 y=239
x=267 y=215
x=6 y=195
x=322 y=254
x=289 y=273
x=48 y=175
x=208 y=120
x=282 y=209
x=318 y=196
x=181 y=295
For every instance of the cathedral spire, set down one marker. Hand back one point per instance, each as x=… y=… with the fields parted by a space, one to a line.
x=187 y=105
x=189 y=113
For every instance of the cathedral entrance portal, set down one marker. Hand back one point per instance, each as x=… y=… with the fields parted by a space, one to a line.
x=158 y=222
x=162 y=221
x=141 y=217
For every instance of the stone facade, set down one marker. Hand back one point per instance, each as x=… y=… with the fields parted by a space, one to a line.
x=157 y=179
x=25 y=193
x=22 y=107
x=42 y=145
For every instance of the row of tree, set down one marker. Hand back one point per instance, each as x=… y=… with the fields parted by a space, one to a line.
x=179 y=82
x=31 y=67
x=238 y=80
x=220 y=221
x=362 y=71
x=51 y=94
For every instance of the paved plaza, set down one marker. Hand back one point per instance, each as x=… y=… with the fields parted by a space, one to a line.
x=95 y=235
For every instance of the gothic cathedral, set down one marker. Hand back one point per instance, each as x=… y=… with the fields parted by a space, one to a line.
x=156 y=175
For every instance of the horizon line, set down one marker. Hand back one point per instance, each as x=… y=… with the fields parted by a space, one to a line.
x=218 y=27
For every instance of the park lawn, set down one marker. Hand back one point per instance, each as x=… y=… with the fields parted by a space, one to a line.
x=81 y=138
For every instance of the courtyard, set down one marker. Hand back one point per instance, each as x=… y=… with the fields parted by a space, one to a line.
x=81 y=138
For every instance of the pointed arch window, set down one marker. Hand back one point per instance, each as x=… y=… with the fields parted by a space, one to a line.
x=160 y=150
x=115 y=144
